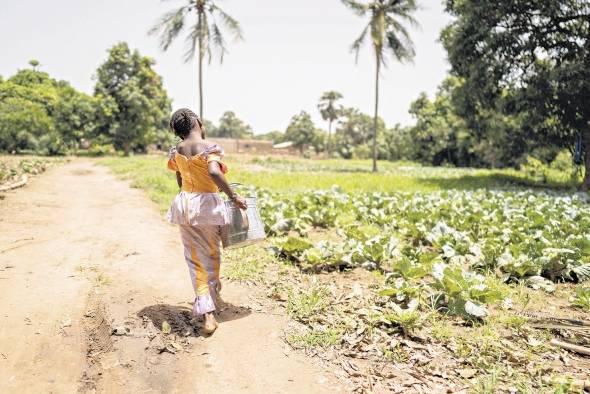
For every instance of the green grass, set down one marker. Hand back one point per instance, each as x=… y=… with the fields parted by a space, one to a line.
x=247 y=264
x=314 y=338
x=148 y=173
x=287 y=175
x=306 y=304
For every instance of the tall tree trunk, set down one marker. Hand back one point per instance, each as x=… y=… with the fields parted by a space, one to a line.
x=377 y=69
x=126 y=148
x=201 y=55
x=329 y=135
x=586 y=141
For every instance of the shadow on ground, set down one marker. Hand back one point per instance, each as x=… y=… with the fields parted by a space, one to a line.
x=181 y=318
x=491 y=182
x=229 y=312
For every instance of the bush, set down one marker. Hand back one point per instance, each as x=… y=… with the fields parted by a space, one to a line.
x=563 y=162
x=560 y=170
x=534 y=169
x=50 y=144
x=101 y=150
x=362 y=152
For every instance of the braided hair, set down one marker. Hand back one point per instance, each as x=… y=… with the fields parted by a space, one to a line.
x=183 y=121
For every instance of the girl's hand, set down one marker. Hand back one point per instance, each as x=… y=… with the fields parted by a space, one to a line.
x=239 y=201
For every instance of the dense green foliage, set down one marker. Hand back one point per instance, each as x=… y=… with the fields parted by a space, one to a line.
x=42 y=114
x=354 y=133
x=442 y=133
x=230 y=126
x=134 y=106
x=129 y=109
x=528 y=59
x=303 y=133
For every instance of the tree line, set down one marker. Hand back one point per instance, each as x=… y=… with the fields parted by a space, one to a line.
x=518 y=86
x=128 y=111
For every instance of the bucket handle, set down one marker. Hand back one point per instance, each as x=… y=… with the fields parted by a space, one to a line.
x=245 y=220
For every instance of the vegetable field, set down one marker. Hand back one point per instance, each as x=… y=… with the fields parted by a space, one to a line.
x=15 y=170
x=445 y=278
x=436 y=248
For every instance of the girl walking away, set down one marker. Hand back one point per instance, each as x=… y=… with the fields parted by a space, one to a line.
x=199 y=210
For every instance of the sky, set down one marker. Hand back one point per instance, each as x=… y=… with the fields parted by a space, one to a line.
x=292 y=52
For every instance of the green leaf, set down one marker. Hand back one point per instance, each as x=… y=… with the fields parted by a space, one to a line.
x=166 y=328
x=582 y=272
x=475 y=310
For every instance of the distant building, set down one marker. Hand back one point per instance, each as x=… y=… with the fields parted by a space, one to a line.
x=255 y=146
x=285 y=148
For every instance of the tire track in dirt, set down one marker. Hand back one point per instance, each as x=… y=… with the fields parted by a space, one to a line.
x=98 y=341
x=84 y=299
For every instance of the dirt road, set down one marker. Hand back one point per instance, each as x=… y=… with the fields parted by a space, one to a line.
x=83 y=255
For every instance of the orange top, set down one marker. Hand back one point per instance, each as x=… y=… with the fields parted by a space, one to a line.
x=195 y=170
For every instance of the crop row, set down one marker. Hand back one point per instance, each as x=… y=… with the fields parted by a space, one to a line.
x=12 y=168
x=438 y=248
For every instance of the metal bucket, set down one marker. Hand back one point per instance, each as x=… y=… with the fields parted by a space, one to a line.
x=244 y=228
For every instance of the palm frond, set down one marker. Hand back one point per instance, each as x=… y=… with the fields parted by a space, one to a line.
x=230 y=23
x=218 y=40
x=403 y=10
x=192 y=40
x=408 y=18
x=191 y=44
x=402 y=50
x=396 y=26
x=358 y=43
x=358 y=8
x=169 y=26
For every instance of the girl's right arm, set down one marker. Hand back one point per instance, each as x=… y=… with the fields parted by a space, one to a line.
x=172 y=165
x=179 y=179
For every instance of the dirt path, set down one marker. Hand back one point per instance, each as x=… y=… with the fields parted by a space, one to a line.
x=81 y=255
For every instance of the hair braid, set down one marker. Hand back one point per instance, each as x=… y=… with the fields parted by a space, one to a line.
x=183 y=121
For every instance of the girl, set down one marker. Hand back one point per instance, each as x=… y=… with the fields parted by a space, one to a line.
x=199 y=210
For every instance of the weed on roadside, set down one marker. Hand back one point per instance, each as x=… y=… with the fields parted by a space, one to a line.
x=245 y=264
x=305 y=305
x=102 y=280
x=314 y=338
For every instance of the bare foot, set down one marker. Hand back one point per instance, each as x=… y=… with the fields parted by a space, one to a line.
x=210 y=323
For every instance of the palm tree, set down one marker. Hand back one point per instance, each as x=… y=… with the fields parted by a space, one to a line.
x=329 y=111
x=34 y=63
x=388 y=35
x=205 y=33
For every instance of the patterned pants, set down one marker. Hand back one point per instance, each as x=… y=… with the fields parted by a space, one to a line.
x=202 y=253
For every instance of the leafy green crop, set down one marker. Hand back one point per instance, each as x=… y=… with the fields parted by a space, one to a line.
x=582 y=298
x=436 y=245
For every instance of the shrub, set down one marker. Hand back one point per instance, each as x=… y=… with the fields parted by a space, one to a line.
x=101 y=150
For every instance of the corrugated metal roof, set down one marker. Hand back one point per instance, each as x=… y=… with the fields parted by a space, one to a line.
x=283 y=145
